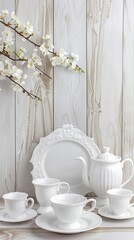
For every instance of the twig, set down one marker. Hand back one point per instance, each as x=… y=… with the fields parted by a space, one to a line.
x=24 y=90
x=42 y=72
x=4 y=53
x=13 y=59
x=14 y=29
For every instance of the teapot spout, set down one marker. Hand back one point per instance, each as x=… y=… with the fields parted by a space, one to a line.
x=84 y=171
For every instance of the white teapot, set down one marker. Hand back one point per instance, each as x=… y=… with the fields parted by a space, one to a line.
x=105 y=173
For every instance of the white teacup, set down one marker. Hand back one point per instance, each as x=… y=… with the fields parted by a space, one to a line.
x=16 y=203
x=119 y=200
x=45 y=188
x=68 y=209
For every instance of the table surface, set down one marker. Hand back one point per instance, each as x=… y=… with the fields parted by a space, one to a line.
x=109 y=230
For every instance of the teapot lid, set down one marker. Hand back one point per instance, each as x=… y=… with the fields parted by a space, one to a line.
x=107 y=156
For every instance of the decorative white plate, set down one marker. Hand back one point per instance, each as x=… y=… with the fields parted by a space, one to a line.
x=55 y=156
x=87 y=222
x=29 y=214
x=107 y=212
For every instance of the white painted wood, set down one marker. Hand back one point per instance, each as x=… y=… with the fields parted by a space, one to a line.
x=128 y=86
x=104 y=69
x=7 y=126
x=70 y=87
x=34 y=119
x=39 y=234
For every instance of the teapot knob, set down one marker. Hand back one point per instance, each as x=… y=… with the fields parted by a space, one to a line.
x=106 y=149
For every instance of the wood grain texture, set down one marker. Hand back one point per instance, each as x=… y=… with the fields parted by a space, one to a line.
x=40 y=234
x=104 y=72
x=128 y=86
x=69 y=86
x=7 y=126
x=34 y=119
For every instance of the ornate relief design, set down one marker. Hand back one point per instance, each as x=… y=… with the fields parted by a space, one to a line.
x=67 y=132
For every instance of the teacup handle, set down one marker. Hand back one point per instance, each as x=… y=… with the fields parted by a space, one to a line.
x=32 y=203
x=132 y=171
x=131 y=204
x=64 y=183
x=93 y=205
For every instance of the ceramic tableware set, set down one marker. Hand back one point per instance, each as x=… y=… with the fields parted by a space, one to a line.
x=66 y=165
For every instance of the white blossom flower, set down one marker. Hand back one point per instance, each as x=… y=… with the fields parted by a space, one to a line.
x=8 y=48
x=13 y=16
x=66 y=62
x=20 y=27
x=47 y=46
x=30 y=63
x=36 y=58
x=19 y=81
x=75 y=57
x=4 y=68
x=56 y=61
x=16 y=21
x=29 y=28
x=73 y=64
x=9 y=66
x=10 y=70
x=62 y=53
x=21 y=52
x=44 y=50
x=7 y=37
x=5 y=72
x=1 y=45
x=47 y=37
x=25 y=29
x=22 y=83
x=3 y=14
x=16 y=73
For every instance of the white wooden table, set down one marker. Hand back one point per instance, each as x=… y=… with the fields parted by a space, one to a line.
x=109 y=230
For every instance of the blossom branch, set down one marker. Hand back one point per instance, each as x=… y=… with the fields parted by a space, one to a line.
x=11 y=71
x=19 y=33
x=4 y=53
x=47 y=48
x=42 y=72
x=23 y=89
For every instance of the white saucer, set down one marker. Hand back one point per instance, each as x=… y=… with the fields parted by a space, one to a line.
x=107 y=212
x=87 y=222
x=29 y=214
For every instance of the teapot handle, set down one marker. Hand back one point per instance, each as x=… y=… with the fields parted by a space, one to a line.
x=132 y=171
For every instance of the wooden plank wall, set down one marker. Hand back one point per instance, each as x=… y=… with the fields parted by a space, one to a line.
x=70 y=87
x=7 y=127
x=128 y=86
x=104 y=64
x=99 y=102
x=34 y=119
